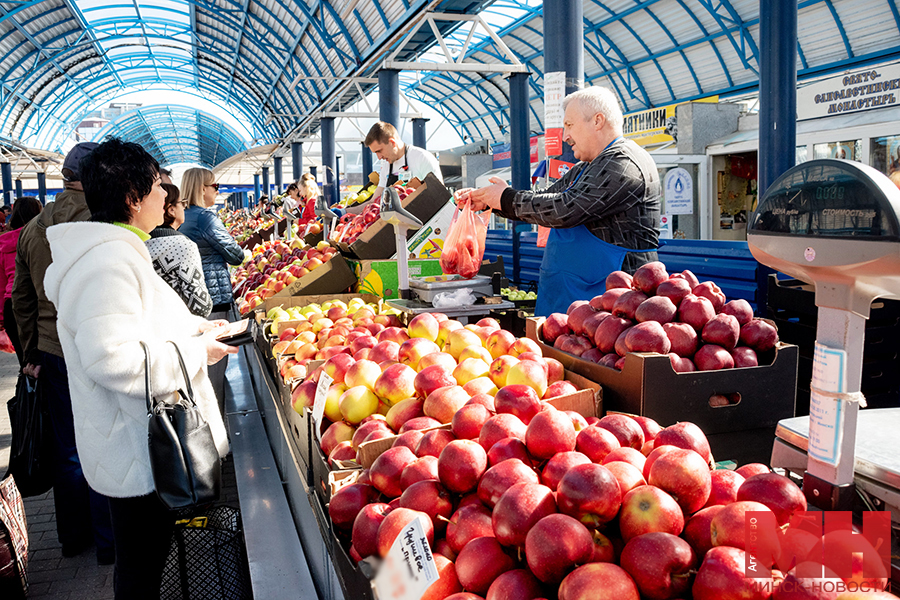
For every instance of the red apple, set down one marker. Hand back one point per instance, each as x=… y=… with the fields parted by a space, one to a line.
x=750 y=469
x=598 y=581
x=685 y=435
x=558 y=465
x=646 y=509
x=518 y=584
x=697 y=529
x=722 y=576
x=556 y=545
x=549 y=432
x=365 y=528
x=467 y=523
x=729 y=528
x=661 y=564
x=461 y=464
x=596 y=442
x=590 y=493
x=518 y=509
x=506 y=449
x=619 y=279
x=626 y=430
x=423 y=325
x=346 y=504
x=421 y=469
x=501 y=477
x=468 y=421
x=777 y=492
x=685 y=475
x=628 y=476
x=395 y=522
x=724 y=488
x=431 y=498
x=480 y=562
x=447 y=583
x=518 y=399
x=502 y=426
x=387 y=468
x=434 y=442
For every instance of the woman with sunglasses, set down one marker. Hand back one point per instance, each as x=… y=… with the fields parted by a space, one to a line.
x=176 y=258
x=217 y=250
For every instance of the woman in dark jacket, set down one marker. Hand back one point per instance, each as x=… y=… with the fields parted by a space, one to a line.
x=217 y=250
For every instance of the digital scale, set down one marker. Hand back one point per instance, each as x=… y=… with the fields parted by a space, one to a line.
x=416 y=295
x=834 y=224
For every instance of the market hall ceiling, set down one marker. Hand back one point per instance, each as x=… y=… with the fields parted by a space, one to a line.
x=277 y=63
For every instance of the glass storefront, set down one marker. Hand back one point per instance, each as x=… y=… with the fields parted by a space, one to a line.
x=849 y=149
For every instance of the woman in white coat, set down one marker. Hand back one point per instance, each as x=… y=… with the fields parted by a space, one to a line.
x=109 y=300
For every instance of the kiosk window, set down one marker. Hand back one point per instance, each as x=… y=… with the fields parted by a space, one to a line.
x=886 y=154
x=850 y=150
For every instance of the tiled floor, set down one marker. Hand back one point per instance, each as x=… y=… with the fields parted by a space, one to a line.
x=50 y=575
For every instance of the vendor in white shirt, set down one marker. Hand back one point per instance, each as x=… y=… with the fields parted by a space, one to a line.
x=401 y=162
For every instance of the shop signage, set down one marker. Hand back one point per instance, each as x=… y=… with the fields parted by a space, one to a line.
x=856 y=91
x=679 y=192
x=408 y=570
x=655 y=125
x=554 y=92
x=553 y=144
x=665 y=227
x=503 y=156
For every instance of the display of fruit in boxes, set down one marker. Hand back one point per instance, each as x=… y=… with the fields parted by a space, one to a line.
x=654 y=311
x=522 y=504
x=319 y=329
x=274 y=266
x=351 y=226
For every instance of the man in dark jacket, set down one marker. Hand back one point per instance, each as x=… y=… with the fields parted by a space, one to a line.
x=82 y=515
x=604 y=212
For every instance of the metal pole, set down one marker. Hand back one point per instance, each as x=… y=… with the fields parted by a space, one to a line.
x=328 y=158
x=777 y=104
x=6 y=173
x=42 y=187
x=313 y=170
x=337 y=175
x=278 y=174
x=297 y=159
x=256 y=188
x=564 y=41
x=366 y=163
x=19 y=193
x=419 y=132
x=265 y=182
x=520 y=151
x=389 y=96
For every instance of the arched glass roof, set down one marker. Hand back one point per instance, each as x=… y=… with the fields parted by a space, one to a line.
x=276 y=63
x=177 y=134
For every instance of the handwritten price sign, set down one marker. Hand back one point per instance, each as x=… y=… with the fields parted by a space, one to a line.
x=408 y=569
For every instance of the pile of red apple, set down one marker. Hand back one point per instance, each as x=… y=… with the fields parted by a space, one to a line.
x=667 y=314
x=351 y=226
x=537 y=504
x=275 y=267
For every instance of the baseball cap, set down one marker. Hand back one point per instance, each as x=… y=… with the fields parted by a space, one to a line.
x=72 y=164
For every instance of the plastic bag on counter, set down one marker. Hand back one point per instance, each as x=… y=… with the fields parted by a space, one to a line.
x=460 y=297
x=464 y=247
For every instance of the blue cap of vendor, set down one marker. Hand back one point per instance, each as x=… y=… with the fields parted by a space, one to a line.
x=71 y=170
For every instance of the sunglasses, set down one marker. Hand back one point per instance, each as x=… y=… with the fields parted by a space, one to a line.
x=215 y=186
x=184 y=203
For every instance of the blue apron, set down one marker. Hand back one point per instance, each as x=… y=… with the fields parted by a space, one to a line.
x=575 y=266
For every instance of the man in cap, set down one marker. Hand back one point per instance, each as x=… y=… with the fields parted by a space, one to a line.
x=82 y=515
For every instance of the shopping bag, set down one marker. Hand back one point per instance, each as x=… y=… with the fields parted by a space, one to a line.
x=464 y=246
x=207 y=559
x=31 y=450
x=543 y=234
x=13 y=542
x=5 y=343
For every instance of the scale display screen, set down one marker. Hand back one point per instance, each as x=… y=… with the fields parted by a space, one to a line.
x=827 y=199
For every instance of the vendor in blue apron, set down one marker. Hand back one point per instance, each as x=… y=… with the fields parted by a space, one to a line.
x=604 y=212
x=402 y=162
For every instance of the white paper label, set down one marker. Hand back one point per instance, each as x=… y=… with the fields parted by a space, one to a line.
x=665 y=227
x=829 y=367
x=679 y=192
x=325 y=382
x=408 y=570
x=554 y=93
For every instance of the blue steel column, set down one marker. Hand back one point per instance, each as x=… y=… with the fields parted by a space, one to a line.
x=389 y=97
x=256 y=188
x=297 y=159
x=337 y=175
x=366 y=162
x=19 y=192
x=328 y=158
x=520 y=151
x=6 y=174
x=313 y=170
x=42 y=187
x=564 y=41
x=777 y=102
x=265 y=182
x=419 y=132
x=279 y=170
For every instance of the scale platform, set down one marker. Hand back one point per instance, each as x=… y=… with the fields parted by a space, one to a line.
x=877 y=469
x=415 y=307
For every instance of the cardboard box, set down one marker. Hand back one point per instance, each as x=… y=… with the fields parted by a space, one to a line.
x=355 y=578
x=333 y=277
x=378 y=242
x=587 y=401
x=379 y=277
x=648 y=386
x=428 y=241
x=287 y=301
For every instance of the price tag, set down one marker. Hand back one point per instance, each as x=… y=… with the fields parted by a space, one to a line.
x=325 y=382
x=408 y=569
x=829 y=366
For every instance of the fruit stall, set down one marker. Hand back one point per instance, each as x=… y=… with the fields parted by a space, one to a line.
x=619 y=450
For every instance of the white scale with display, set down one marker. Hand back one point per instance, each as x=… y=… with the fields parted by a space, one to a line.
x=834 y=224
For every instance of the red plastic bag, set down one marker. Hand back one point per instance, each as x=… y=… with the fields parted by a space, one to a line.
x=464 y=246
x=5 y=344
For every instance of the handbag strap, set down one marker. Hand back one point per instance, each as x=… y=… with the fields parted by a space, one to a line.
x=147 y=387
x=187 y=380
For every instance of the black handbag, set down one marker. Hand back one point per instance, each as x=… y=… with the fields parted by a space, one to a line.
x=183 y=455
x=31 y=450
